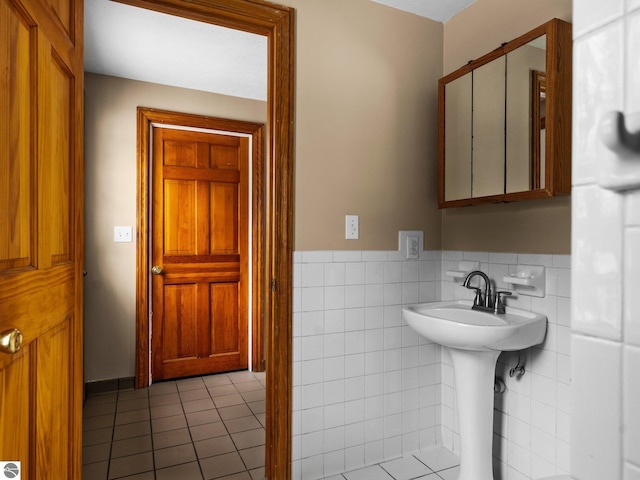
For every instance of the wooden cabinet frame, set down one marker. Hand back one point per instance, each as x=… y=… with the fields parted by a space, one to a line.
x=558 y=116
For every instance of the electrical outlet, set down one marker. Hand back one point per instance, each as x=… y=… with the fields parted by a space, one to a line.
x=352 y=229
x=413 y=247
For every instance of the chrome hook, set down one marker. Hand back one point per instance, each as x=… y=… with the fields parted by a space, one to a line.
x=616 y=136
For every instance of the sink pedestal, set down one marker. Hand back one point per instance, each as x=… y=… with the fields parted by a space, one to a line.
x=474 y=373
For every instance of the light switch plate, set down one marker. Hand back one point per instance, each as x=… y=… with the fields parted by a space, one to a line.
x=123 y=234
x=352 y=227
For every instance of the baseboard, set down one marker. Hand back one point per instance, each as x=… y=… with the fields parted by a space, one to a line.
x=107 y=386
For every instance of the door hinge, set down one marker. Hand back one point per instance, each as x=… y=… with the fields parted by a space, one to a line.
x=274 y=285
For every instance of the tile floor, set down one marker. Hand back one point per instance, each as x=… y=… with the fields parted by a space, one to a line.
x=193 y=429
x=433 y=464
x=206 y=428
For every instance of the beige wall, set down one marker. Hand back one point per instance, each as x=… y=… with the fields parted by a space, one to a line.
x=366 y=124
x=110 y=156
x=542 y=226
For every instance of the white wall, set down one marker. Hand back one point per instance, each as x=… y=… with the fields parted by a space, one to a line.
x=606 y=246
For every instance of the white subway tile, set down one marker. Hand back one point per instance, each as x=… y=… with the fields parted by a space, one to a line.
x=334 y=392
x=334 y=321
x=392 y=360
x=333 y=462
x=631 y=395
x=631 y=282
x=312 y=444
x=347 y=256
x=633 y=61
x=333 y=368
x=597 y=265
x=312 y=396
x=354 y=342
x=317 y=257
x=354 y=457
x=375 y=294
x=373 y=363
x=334 y=298
x=631 y=472
x=354 y=418
x=312 y=420
x=355 y=273
x=353 y=386
x=392 y=381
x=354 y=319
x=333 y=416
x=334 y=274
x=312 y=371
x=374 y=317
x=373 y=340
x=632 y=209
x=312 y=299
x=388 y=294
x=410 y=293
x=354 y=296
x=354 y=364
x=374 y=272
x=427 y=271
x=374 y=256
x=452 y=255
x=311 y=323
x=596 y=442
x=598 y=88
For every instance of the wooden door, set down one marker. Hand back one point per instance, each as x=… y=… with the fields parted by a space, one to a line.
x=41 y=236
x=200 y=224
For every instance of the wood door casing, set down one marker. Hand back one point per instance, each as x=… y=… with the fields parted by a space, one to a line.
x=41 y=235
x=277 y=23
x=200 y=230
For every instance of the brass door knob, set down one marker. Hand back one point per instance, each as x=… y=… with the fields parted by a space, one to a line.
x=156 y=270
x=10 y=341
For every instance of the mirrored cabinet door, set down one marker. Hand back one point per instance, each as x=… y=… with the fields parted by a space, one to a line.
x=505 y=122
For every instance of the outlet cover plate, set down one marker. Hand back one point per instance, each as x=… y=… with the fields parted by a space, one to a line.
x=407 y=240
x=122 y=234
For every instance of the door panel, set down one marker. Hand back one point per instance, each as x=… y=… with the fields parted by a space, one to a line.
x=200 y=239
x=41 y=235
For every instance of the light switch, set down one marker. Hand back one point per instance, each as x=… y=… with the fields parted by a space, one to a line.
x=123 y=234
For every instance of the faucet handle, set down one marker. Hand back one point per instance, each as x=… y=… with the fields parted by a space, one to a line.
x=499 y=304
x=478 y=298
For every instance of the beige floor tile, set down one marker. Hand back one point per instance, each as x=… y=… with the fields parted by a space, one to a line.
x=242 y=424
x=214 y=446
x=222 y=390
x=250 y=438
x=131 y=446
x=162 y=388
x=208 y=430
x=133 y=404
x=198 y=405
x=130 y=430
x=235 y=411
x=202 y=417
x=187 y=471
x=253 y=457
x=228 y=400
x=95 y=437
x=191 y=395
x=249 y=386
x=171 y=438
x=95 y=471
x=132 y=416
x=96 y=453
x=222 y=465
x=168 y=423
x=169 y=457
x=164 y=399
x=169 y=410
x=121 y=467
x=101 y=421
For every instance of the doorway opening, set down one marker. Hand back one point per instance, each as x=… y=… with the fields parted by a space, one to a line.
x=206 y=283
x=277 y=24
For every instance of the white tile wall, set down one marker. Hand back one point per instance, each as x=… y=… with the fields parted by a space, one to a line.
x=605 y=426
x=531 y=419
x=366 y=387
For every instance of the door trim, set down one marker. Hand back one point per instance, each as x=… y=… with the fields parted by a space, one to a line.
x=277 y=23
x=147 y=118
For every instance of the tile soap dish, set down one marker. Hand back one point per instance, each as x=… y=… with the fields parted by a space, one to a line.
x=528 y=280
x=464 y=268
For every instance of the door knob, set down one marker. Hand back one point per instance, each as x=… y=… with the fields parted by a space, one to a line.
x=156 y=270
x=10 y=341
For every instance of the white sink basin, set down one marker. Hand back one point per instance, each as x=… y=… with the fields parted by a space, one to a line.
x=454 y=324
x=475 y=340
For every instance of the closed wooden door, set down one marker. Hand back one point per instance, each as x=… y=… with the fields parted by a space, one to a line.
x=41 y=240
x=200 y=198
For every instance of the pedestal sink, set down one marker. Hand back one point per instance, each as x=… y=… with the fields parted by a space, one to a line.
x=475 y=340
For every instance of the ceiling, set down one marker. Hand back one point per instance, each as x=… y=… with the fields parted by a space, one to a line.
x=130 y=42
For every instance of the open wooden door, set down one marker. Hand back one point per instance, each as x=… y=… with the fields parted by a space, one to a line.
x=41 y=236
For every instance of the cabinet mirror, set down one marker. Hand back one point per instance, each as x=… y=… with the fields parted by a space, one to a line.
x=505 y=122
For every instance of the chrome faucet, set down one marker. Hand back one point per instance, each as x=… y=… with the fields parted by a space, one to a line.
x=480 y=302
x=485 y=302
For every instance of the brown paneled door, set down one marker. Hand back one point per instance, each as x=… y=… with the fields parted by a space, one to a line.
x=41 y=238
x=200 y=228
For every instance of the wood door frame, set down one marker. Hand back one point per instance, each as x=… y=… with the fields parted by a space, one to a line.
x=147 y=117
x=277 y=24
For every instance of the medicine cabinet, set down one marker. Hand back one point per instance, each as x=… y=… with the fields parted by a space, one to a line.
x=505 y=122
